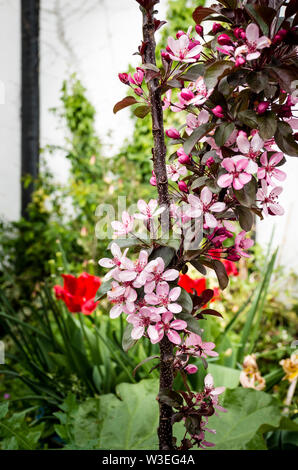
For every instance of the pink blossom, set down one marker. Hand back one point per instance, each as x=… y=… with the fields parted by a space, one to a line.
x=269 y=202
x=175 y=170
x=205 y=204
x=133 y=272
x=193 y=121
x=137 y=78
x=268 y=169
x=167 y=99
x=148 y=211
x=253 y=43
x=156 y=273
x=145 y=318
x=224 y=40
x=179 y=49
x=242 y=243
x=250 y=149
x=201 y=92
x=124 y=227
x=124 y=299
x=191 y=369
x=169 y=328
x=262 y=107
x=187 y=94
x=165 y=297
x=198 y=347
x=115 y=262
x=238 y=174
x=183 y=158
x=209 y=387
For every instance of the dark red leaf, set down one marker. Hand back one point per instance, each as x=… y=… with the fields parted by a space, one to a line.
x=128 y=101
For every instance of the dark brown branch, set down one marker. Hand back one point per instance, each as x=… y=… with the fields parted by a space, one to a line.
x=165 y=430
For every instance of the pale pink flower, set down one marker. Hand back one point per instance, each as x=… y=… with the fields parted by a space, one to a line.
x=175 y=170
x=148 y=211
x=193 y=121
x=167 y=99
x=242 y=243
x=115 y=262
x=254 y=43
x=167 y=326
x=268 y=169
x=145 y=318
x=155 y=271
x=165 y=297
x=201 y=92
x=209 y=387
x=134 y=271
x=123 y=299
x=198 y=347
x=237 y=175
x=250 y=149
x=205 y=204
x=179 y=49
x=124 y=227
x=269 y=202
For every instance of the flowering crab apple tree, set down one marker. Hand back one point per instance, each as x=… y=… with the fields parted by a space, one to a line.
x=234 y=93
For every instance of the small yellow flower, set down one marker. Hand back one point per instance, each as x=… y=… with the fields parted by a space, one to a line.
x=290 y=366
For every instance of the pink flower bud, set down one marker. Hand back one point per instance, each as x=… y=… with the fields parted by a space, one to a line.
x=216 y=27
x=165 y=55
x=123 y=77
x=172 y=133
x=210 y=162
x=277 y=39
x=179 y=34
x=183 y=157
x=153 y=181
x=187 y=94
x=218 y=111
x=243 y=35
x=138 y=91
x=262 y=107
x=224 y=40
x=183 y=187
x=139 y=76
x=283 y=33
x=240 y=61
x=238 y=32
x=191 y=369
x=199 y=30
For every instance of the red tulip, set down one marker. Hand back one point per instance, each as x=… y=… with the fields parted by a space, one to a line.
x=78 y=292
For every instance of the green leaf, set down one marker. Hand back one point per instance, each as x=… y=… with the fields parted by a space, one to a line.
x=267 y=125
x=125 y=421
x=141 y=111
x=3 y=410
x=185 y=301
x=257 y=81
x=171 y=398
x=216 y=71
x=127 y=341
x=167 y=253
x=104 y=288
x=247 y=195
x=197 y=135
x=285 y=140
x=127 y=101
x=224 y=376
x=193 y=73
x=223 y=132
x=249 y=412
x=245 y=217
x=249 y=118
x=192 y=322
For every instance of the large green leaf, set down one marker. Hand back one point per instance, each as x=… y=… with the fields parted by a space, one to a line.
x=250 y=414
x=224 y=376
x=108 y=422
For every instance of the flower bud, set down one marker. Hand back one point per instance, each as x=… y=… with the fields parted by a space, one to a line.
x=218 y=111
x=183 y=157
x=240 y=61
x=139 y=76
x=179 y=34
x=187 y=94
x=216 y=27
x=224 y=40
x=165 y=55
x=183 y=187
x=277 y=39
x=172 y=133
x=123 y=77
x=153 y=181
x=243 y=35
x=138 y=91
x=191 y=369
x=238 y=32
x=262 y=107
x=199 y=30
x=209 y=162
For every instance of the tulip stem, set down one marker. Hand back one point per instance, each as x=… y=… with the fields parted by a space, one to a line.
x=165 y=430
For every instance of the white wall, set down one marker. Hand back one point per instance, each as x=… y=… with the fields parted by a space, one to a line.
x=10 y=131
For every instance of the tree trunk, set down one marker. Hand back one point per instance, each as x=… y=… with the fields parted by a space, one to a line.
x=165 y=432
x=30 y=96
